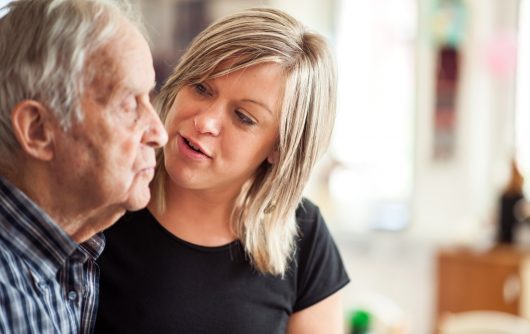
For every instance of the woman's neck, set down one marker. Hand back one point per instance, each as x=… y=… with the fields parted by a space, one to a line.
x=198 y=216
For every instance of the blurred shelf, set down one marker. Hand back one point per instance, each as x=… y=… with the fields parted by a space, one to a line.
x=494 y=280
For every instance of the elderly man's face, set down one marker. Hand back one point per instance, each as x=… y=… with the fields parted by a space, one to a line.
x=109 y=157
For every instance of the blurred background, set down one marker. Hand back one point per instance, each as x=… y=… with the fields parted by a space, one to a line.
x=423 y=186
x=429 y=152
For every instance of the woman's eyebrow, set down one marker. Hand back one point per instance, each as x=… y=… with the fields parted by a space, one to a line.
x=261 y=104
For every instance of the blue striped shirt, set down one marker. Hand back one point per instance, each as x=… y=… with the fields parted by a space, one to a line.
x=48 y=282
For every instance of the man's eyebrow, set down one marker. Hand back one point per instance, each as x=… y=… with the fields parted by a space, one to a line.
x=138 y=90
x=261 y=104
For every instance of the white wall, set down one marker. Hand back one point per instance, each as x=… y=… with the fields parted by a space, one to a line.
x=316 y=14
x=456 y=199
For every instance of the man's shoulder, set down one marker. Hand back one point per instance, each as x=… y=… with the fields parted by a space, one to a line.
x=22 y=291
x=7 y=253
x=21 y=309
x=12 y=264
x=16 y=279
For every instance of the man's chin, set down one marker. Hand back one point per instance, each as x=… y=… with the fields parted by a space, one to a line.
x=138 y=202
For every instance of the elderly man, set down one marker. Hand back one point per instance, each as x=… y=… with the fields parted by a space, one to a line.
x=77 y=140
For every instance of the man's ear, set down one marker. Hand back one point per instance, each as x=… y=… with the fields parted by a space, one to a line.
x=273 y=157
x=33 y=128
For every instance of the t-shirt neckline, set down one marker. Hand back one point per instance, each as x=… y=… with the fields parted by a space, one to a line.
x=181 y=241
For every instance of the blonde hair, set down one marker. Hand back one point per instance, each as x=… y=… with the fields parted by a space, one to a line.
x=264 y=214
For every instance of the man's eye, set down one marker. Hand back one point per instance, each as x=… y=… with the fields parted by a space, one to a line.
x=130 y=104
x=244 y=118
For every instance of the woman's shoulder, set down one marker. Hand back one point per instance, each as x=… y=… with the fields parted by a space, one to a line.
x=309 y=219
x=306 y=210
x=320 y=270
x=313 y=232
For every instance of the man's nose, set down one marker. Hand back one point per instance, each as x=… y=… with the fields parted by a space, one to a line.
x=155 y=135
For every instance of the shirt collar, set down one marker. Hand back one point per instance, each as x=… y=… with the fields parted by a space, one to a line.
x=93 y=247
x=31 y=232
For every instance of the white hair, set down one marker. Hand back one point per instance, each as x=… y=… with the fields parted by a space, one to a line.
x=45 y=50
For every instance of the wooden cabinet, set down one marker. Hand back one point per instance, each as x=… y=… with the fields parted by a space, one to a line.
x=494 y=280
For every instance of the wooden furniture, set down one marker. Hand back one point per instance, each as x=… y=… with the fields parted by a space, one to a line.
x=493 y=280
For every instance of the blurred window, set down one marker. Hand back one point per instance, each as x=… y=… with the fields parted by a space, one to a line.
x=370 y=183
x=522 y=106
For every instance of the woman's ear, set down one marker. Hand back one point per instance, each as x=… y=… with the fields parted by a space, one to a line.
x=273 y=157
x=33 y=128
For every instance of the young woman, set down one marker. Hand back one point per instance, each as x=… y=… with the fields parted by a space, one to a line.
x=227 y=244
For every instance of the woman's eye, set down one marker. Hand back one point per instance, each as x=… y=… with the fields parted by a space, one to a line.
x=244 y=118
x=201 y=89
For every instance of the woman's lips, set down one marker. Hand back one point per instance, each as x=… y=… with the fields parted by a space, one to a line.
x=189 y=152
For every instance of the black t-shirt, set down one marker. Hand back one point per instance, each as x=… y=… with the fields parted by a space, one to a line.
x=154 y=282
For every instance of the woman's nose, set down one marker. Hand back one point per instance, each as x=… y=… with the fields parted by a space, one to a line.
x=209 y=121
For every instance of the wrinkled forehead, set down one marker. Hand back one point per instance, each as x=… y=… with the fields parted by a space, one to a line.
x=125 y=63
x=103 y=75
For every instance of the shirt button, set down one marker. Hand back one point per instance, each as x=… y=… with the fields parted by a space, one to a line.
x=72 y=295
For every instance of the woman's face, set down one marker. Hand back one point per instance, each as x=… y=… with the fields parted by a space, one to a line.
x=221 y=130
